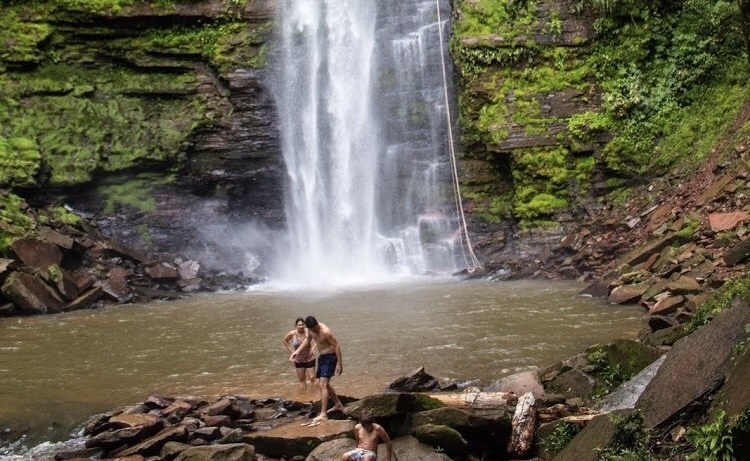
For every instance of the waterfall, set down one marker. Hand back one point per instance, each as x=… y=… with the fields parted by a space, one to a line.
x=363 y=123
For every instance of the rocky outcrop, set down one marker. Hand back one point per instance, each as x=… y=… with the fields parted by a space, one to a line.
x=71 y=267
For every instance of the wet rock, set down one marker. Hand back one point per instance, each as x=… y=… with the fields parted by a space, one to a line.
x=627 y=293
x=445 y=437
x=598 y=289
x=483 y=430
x=31 y=294
x=86 y=300
x=226 y=452
x=416 y=381
x=35 y=253
x=153 y=445
x=519 y=384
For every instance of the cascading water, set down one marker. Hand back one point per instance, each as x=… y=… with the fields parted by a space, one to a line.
x=364 y=134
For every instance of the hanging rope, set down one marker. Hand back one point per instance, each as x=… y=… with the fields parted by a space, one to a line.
x=474 y=264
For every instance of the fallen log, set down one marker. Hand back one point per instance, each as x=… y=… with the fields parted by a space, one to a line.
x=523 y=425
x=474 y=399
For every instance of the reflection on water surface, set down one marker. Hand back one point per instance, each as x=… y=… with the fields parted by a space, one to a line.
x=56 y=370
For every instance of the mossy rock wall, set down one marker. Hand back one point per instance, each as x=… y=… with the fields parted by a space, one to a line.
x=564 y=107
x=523 y=79
x=101 y=87
x=153 y=116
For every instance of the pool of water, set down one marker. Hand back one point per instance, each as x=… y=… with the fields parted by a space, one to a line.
x=57 y=370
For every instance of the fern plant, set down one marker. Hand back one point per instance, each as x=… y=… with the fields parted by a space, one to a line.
x=712 y=441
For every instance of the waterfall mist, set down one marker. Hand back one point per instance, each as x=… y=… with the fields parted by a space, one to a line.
x=359 y=91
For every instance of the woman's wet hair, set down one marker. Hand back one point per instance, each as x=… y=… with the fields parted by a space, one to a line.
x=299 y=319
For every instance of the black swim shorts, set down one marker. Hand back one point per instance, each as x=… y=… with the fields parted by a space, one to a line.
x=310 y=364
x=326 y=365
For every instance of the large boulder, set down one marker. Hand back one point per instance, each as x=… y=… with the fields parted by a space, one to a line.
x=703 y=356
x=519 y=384
x=392 y=405
x=444 y=438
x=31 y=294
x=485 y=430
x=416 y=381
x=37 y=254
x=332 y=450
x=408 y=448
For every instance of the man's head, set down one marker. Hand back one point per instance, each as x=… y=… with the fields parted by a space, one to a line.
x=366 y=418
x=311 y=322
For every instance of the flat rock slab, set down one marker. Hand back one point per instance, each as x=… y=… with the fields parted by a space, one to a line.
x=703 y=356
x=293 y=439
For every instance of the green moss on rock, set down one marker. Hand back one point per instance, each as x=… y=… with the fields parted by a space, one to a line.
x=19 y=162
x=14 y=221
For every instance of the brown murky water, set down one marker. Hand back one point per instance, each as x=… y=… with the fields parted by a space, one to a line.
x=57 y=370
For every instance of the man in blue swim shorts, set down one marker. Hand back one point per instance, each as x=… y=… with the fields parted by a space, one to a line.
x=330 y=362
x=368 y=434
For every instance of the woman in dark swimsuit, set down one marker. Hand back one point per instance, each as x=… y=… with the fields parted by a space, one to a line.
x=304 y=362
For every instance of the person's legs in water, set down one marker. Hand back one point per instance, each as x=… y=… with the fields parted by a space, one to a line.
x=326 y=369
x=310 y=371
x=301 y=377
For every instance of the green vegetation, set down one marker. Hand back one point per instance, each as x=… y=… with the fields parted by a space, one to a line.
x=738 y=287
x=661 y=82
x=629 y=441
x=712 y=441
x=70 y=112
x=14 y=221
x=19 y=162
x=62 y=215
x=608 y=376
x=560 y=437
x=136 y=193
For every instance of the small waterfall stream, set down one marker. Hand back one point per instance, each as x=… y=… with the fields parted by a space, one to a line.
x=360 y=96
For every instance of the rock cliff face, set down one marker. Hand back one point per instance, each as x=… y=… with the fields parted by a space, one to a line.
x=523 y=84
x=156 y=120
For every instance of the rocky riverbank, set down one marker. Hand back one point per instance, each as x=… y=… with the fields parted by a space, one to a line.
x=64 y=264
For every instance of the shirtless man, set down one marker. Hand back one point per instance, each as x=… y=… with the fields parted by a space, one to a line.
x=368 y=434
x=329 y=361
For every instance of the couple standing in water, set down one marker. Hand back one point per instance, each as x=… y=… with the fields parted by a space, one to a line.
x=309 y=334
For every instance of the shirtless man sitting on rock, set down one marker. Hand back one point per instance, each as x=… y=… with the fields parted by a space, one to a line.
x=368 y=434
x=329 y=361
